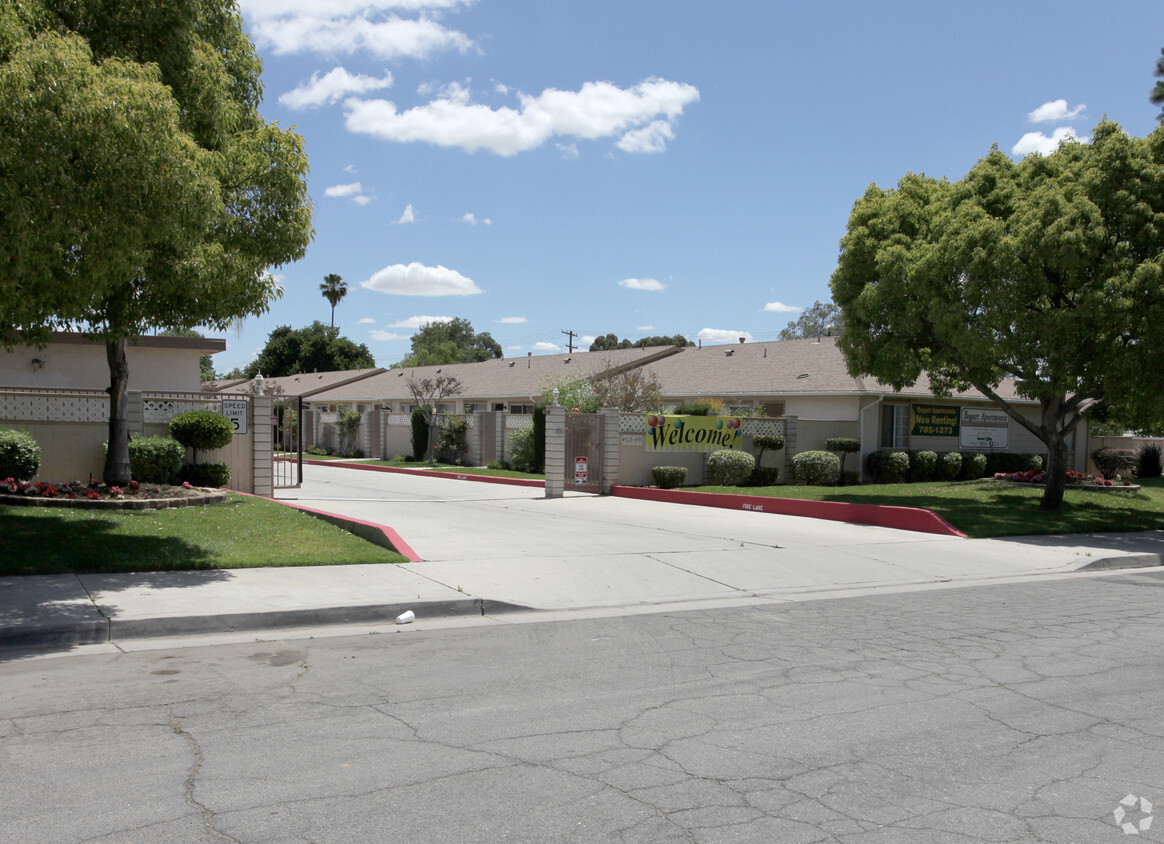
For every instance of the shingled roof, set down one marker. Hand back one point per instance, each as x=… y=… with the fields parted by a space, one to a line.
x=501 y=378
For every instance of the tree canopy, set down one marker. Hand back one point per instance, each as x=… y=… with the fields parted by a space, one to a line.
x=1050 y=270
x=139 y=186
x=450 y=341
x=819 y=318
x=316 y=348
x=1156 y=97
x=610 y=341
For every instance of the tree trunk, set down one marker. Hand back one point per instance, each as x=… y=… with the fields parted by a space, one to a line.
x=117 y=472
x=1055 y=473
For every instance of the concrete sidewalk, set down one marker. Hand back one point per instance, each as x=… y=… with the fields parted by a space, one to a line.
x=490 y=549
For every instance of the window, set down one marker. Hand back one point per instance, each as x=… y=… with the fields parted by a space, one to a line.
x=894 y=425
x=521 y=408
x=774 y=409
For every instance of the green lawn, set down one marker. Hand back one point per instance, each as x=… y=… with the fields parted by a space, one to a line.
x=400 y=463
x=988 y=508
x=242 y=532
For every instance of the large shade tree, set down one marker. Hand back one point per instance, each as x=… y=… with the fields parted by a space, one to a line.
x=450 y=341
x=1050 y=270
x=316 y=348
x=819 y=318
x=139 y=186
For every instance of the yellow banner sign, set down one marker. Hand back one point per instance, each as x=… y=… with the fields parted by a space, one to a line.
x=692 y=433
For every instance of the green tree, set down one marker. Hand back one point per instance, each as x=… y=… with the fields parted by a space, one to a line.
x=450 y=341
x=428 y=393
x=316 y=348
x=608 y=342
x=139 y=185
x=1050 y=270
x=816 y=320
x=1157 y=95
x=334 y=289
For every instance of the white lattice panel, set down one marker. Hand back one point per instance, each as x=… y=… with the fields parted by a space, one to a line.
x=518 y=421
x=47 y=408
x=762 y=427
x=632 y=423
x=399 y=420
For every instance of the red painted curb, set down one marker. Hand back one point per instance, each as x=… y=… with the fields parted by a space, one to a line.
x=881 y=515
x=427 y=473
x=368 y=530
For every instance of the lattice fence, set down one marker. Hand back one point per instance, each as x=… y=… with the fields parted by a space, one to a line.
x=58 y=406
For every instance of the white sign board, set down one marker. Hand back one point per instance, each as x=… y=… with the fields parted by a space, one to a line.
x=580 y=470
x=236 y=411
x=984 y=428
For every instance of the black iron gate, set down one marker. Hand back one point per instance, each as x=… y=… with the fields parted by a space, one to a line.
x=584 y=452
x=287 y=443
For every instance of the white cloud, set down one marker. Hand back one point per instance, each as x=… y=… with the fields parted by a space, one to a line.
x=331 y=88
x=512 y=320
x=597 y=110
x=416 y=279
x=781 y=308
x=350 y=26
x=546 y=347
x=1040 y=143
x=586 y=340
x=472 y=220
x=642 y=284
x=644 y=328
x=386 y=336
x=366 y=321
x=652 y=138
x=722 y=335
x=1055 y=111
x=507 y=348
x=407 y=217
x=351 y=168
x=344 y=190
x=415 y=322
x=569 y=151
x=361 y=200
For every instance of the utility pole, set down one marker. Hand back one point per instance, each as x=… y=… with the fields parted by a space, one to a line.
x=571 y=335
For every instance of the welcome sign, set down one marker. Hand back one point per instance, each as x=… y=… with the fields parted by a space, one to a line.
x=692 y=433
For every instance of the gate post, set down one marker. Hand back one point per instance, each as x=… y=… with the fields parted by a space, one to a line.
x=555 y=451
x=611 y=444
x=262 y=451
x=473 y=439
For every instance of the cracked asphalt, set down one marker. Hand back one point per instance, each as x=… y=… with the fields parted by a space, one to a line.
x=1021 y=712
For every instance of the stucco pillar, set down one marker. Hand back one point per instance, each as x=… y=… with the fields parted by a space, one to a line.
x=135 y=411
x=611 y=445
x=473 y=439
x=555 y=451
x=791 y=424
x=262 y=453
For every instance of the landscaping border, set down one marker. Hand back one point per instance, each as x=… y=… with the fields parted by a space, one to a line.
x=430 y=473
x=216 y=496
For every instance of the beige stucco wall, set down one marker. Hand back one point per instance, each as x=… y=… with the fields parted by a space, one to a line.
x=823 y=408
x=73 y=366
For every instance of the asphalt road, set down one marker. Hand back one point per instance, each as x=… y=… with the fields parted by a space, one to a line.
x=1021 y=712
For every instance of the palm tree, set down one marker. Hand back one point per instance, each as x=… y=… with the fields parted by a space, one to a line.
x=334 y=288
x=1157 y=95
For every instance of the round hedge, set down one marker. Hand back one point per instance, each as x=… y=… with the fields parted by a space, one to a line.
x=669 y=477
x=202 y=430
x=729 y=468
x=816 y=468
x=19 y=455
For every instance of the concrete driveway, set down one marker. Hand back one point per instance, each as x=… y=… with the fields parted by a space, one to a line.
x=511 y=543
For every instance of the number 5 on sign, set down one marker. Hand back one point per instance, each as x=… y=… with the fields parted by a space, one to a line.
x=236 y=411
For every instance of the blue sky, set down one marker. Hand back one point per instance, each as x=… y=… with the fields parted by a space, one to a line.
x=646 y=167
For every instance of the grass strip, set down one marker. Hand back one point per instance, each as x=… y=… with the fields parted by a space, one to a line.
x=989 y=508
x=241 y=532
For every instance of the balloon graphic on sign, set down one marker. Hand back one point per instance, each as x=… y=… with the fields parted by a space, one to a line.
x=678 y=424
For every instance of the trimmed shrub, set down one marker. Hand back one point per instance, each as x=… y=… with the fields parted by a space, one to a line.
x=843 y=446
x=1114 y=461
x=498 y=464
x=886 y=466
x=522 y=454
x=973 y=466
x=156 y=460
x=201 y=430
x=347 y=426
x=729 y=468
x=767 y=442
x=1149 y=462
x=704 y=407
x=1011 y=462
x=207 y=474
x=453 y=438
x=669 y=477
x=764 y=475
x=19 y=455
x=922 y=465
x=816 y=468
x=949 y=465
x=419 y=433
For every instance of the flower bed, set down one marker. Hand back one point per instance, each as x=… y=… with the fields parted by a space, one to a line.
x=94 y=495
x=1075 y=480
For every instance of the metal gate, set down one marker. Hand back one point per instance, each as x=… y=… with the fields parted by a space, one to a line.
x=584 y=452
x=287 y=443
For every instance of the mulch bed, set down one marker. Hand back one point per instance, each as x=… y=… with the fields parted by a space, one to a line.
x=147 y=497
